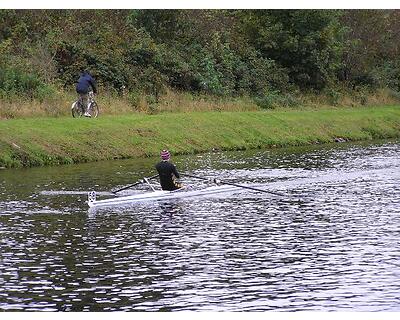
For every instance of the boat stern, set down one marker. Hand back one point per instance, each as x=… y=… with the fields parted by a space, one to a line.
x=91 y=198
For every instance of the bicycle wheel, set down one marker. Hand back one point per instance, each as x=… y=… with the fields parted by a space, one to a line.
x=76 y=110
x=93 y=109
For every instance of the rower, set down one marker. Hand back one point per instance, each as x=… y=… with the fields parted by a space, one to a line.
x=167 y=172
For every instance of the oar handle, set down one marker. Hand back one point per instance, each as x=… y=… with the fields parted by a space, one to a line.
x=136 y=183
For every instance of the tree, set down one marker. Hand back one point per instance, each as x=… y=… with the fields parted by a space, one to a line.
x=306 y=42
x=372 y=47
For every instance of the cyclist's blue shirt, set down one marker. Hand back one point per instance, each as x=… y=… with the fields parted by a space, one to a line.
x=85 y=82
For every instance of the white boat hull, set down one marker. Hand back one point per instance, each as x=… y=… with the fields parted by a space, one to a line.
x=156 y=195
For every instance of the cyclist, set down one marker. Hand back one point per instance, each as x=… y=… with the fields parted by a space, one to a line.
x=85 y=82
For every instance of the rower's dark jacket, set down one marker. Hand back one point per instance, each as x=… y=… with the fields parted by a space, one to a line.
x=166 y=170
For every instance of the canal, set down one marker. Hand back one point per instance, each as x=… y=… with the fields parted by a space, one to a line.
x=332 y=243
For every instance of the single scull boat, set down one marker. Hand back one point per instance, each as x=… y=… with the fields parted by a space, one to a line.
x=157 y=195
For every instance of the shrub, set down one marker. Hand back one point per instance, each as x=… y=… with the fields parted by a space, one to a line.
x=133 y=98
x=14 y=82
x=275 y=99
x=45 y=92
x=394 y=94
x=333 y=96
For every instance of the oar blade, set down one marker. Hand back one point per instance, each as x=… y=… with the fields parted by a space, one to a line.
x=72 y=192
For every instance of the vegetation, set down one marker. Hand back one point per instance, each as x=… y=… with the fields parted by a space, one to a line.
x=151 y=60
x=49 y=141
x=150 y=63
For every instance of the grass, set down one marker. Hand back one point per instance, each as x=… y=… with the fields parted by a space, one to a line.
x=114 y=104
x=59 y=105
x=52 y=141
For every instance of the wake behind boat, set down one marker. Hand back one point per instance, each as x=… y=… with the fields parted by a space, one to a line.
x=156 y=195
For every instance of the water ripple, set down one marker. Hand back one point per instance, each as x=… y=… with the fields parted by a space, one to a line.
x=330 y=245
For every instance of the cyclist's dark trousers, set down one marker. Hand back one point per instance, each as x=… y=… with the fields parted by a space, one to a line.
x=84 y=97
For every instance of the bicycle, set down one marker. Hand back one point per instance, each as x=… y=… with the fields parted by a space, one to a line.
x=78 y=110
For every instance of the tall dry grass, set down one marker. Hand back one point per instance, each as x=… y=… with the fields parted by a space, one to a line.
x=113 y=104
x=382 y=97
x=172 y=101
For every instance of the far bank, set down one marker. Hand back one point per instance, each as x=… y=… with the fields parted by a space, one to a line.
x=53 y=141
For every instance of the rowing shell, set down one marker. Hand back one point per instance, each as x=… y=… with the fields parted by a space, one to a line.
x=156 y=195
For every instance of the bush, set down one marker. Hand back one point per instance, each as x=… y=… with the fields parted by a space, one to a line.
x=333 y=96
x=14 y=82
x=275 y=99
x=362 y=95
x=133 y=98
x=394 y=94
x=388 y=75
x=45 y=92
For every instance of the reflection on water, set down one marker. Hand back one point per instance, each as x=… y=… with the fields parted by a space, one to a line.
x=331 y=245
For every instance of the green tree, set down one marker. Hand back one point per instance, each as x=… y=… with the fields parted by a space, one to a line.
x=306 y=42
x=372 y=48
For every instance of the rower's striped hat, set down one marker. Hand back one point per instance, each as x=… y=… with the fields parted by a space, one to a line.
x=165 y=155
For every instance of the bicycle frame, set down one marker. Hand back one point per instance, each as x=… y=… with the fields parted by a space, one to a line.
x=78 y=108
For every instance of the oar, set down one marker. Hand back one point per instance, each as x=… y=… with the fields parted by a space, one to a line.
x=72 y=192
x=135 y=184
x=234 y=184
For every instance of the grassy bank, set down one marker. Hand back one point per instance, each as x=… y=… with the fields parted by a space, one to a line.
x=51 y=141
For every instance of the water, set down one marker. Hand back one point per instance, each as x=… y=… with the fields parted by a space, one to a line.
x=332 y=244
